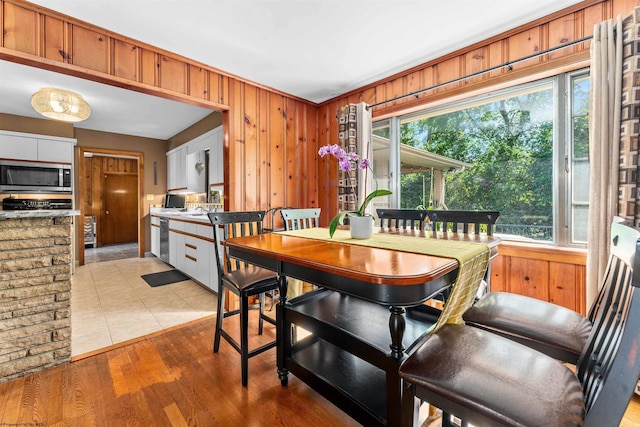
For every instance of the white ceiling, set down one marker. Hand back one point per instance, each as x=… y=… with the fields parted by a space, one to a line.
x=313 y=49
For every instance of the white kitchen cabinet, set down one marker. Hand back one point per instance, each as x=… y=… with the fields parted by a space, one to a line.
x=197 y=172
x=216 y=163
x=155 y=236
x=196 y=259
x=18 y=147
x=191 y=247
x=182 y=176
x=32 y=147
x=55 y=151
x=176 y=244
x=176 y=170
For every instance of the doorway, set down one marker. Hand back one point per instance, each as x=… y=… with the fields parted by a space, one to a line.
x=110 y=187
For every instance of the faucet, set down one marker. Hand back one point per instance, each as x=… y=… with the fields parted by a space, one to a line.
x=202 y=209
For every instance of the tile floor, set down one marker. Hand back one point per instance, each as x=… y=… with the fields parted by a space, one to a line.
x=111 y=303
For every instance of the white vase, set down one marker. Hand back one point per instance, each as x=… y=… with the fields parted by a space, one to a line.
x=361 y=227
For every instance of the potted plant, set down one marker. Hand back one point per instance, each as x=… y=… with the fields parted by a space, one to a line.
x=348 y=162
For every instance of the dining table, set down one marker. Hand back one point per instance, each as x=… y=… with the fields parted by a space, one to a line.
x=367 y=312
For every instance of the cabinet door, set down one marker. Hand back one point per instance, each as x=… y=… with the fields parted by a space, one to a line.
x=196 y=172
x=18 y=147
x=173 y=252
x=176 y=167
x=529 y=277
x=191 y=256
x=55 y=151
x=216 y=164
x=155 y=236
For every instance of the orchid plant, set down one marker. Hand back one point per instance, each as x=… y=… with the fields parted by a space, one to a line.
x=348 y=162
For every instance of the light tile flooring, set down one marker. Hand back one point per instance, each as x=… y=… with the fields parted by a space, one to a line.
x=111 y=303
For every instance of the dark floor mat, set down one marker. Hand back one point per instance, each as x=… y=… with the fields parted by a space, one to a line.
x=164 y=278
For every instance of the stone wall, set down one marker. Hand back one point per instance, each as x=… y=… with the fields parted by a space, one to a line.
x=35 y=294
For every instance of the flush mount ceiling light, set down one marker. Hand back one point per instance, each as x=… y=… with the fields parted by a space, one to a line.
x=60 y=104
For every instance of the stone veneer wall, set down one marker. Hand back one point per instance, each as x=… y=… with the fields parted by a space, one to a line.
x=35 y=294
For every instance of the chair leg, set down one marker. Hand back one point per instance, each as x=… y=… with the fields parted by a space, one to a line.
x=244 y=339
x=219 y=318
x=261 y=315
x=410 y=407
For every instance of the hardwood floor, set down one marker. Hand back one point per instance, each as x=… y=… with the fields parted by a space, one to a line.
x=168 y=379
x=172 y=378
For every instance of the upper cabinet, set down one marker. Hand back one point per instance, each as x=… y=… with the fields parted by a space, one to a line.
x=32 y=147
x=176 y=168
x=216 y=164
x=197 y=171
x=189 y=164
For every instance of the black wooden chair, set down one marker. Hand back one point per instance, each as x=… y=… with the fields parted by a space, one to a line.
x=402 y=218
x=463 y=221
x=485 y=379
x=552 y=329
x=244 y=280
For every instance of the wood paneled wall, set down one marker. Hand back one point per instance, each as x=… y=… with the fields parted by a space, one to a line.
x=267 y=132
x=570 y=24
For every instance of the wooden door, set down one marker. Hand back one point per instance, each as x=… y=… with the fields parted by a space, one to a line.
x=120 y=209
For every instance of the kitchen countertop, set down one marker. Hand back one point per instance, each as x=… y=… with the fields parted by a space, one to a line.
x=197 y=215
x=38 y=213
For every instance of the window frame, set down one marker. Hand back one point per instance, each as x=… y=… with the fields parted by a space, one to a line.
x=562 y=153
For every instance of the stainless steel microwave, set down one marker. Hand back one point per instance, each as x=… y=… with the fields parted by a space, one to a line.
x=34 y=177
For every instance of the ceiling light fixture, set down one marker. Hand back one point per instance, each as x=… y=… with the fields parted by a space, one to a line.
x=60 y=104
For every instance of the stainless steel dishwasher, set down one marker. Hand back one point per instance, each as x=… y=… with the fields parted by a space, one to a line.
x=164 y=239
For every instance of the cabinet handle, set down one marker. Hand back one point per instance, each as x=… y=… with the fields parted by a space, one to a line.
x=190 y=246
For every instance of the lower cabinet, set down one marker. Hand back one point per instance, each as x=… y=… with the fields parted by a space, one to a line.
x=155 y=236
x=190 y=249
x=557 y=275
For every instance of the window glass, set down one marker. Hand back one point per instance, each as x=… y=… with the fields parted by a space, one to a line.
x=507 y=151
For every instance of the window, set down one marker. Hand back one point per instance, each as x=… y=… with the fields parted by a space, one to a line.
x=522 y=151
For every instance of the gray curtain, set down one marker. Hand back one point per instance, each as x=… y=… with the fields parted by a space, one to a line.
x=604 y=143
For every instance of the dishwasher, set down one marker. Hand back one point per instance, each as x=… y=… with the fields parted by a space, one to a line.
x=164 y=239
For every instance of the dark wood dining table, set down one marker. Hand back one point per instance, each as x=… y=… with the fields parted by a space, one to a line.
x=364 y=318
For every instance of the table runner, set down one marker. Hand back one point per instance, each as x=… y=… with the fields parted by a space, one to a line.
x=472 y=257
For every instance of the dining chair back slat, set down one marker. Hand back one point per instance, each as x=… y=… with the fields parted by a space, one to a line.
x=462 y=221
x=296 y=219
x=412 y=219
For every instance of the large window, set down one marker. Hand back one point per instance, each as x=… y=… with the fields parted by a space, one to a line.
x=522 y=151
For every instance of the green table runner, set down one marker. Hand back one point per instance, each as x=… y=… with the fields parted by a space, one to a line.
x=473 y=259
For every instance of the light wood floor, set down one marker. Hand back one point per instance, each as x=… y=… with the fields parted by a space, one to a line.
x=172 y=378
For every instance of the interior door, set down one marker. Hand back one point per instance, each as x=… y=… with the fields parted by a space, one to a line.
x=120 y=219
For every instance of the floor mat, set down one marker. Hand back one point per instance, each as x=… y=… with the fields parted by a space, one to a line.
x=164 y=278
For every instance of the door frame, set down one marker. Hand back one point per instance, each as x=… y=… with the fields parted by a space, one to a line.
x=81 y=182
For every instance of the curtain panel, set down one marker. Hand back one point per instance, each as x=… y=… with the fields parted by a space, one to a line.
x=608 y=163
x=354 y=136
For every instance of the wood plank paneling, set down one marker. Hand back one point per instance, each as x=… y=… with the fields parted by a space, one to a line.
x=54 y=39
x=148 y=68
x=125 y=60
x=20 y=31
x=90 y=49
x=529 y=277
x=172 y=74
x=275 y=134
x=198 y=81
x=251 y=154
x=562 y=285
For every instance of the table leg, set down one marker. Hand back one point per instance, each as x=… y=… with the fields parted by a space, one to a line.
x=283 y=332
x=396 y=328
